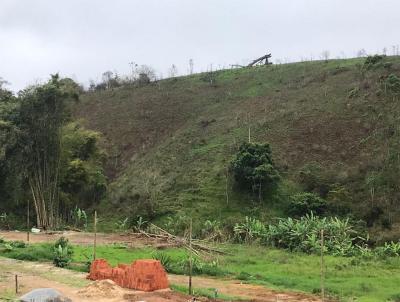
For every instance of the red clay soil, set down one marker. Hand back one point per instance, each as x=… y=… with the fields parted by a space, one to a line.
x=144 y=275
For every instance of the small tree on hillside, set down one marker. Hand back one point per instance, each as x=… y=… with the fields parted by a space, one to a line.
x=143 y=79
x=107 y=77
x=173 y=71
x=325 y=55
x=144 y=74
x=253 y=167
x=305 y=203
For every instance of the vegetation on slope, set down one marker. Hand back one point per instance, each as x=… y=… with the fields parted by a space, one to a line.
x=46 y=160
x=332 y=126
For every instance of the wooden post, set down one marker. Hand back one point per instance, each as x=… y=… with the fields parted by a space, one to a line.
x=248 y=124
x=27 y=223
x=226 y=186
x=95 y=235
x=190 y=258
x=322 y=268
x=16 y=284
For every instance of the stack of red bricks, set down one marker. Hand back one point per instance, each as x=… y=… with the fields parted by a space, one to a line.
x=145 y=275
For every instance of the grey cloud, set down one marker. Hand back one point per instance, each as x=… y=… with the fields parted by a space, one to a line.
x=86 y=37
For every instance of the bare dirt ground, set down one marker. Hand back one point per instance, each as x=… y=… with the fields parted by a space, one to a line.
x=83 y=238
x=74 y=285
x=235 y=288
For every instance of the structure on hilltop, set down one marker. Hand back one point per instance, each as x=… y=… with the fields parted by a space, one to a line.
x=261 y=60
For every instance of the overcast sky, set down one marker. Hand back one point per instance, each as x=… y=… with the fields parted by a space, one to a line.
x=83 y=38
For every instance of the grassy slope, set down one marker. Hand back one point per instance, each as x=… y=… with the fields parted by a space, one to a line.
x=172 y=140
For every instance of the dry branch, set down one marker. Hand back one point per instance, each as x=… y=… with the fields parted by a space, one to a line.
x=196 y=247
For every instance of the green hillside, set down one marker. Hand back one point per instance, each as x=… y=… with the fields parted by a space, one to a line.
x=333 y=128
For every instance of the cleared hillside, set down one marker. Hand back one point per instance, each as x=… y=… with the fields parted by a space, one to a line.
x=333 y=128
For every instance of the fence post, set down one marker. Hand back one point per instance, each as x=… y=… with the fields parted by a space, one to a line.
x=190 y=258
x=322 y=268
x=16 y=284
x=95 y=235
x=27 y=222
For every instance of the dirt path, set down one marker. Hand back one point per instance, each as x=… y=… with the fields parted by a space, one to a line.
x=35 y=275
x=83 y=238
x=235 y=288
x=71 y=284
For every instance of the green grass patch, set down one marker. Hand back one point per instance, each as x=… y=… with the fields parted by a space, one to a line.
x=346 y=277
x=42 y=252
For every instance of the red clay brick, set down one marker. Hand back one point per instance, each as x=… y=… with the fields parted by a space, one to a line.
x=145 y=275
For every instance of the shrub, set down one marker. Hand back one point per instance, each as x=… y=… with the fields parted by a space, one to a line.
x=392 y=84
x=8 y=247
x=166 y=260
x=122 y=224
x=253 y=167
x=244 y=276
x=209 y=77
x=212 y=231
x=389 y=249
x=202 y=268
x=388 y=65
x=80 y=218
x=62 y=252
x=177 y=225
x=18 y=244
x=249 y=230
x=140 y=224
x=143 y=79
x=372 y=61
x=304 y=203
x=303 y=235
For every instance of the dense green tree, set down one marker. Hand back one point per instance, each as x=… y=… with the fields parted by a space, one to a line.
x=10 y=178
x=43 y=156
x=43 y=112
x=254 y=168
x=305 y=203
x=82 y=178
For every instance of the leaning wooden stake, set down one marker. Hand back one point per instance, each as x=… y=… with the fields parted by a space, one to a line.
x=27 y=222
x=190 y=258
x=95 y=235
x=16 y=284
x=322 y=268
